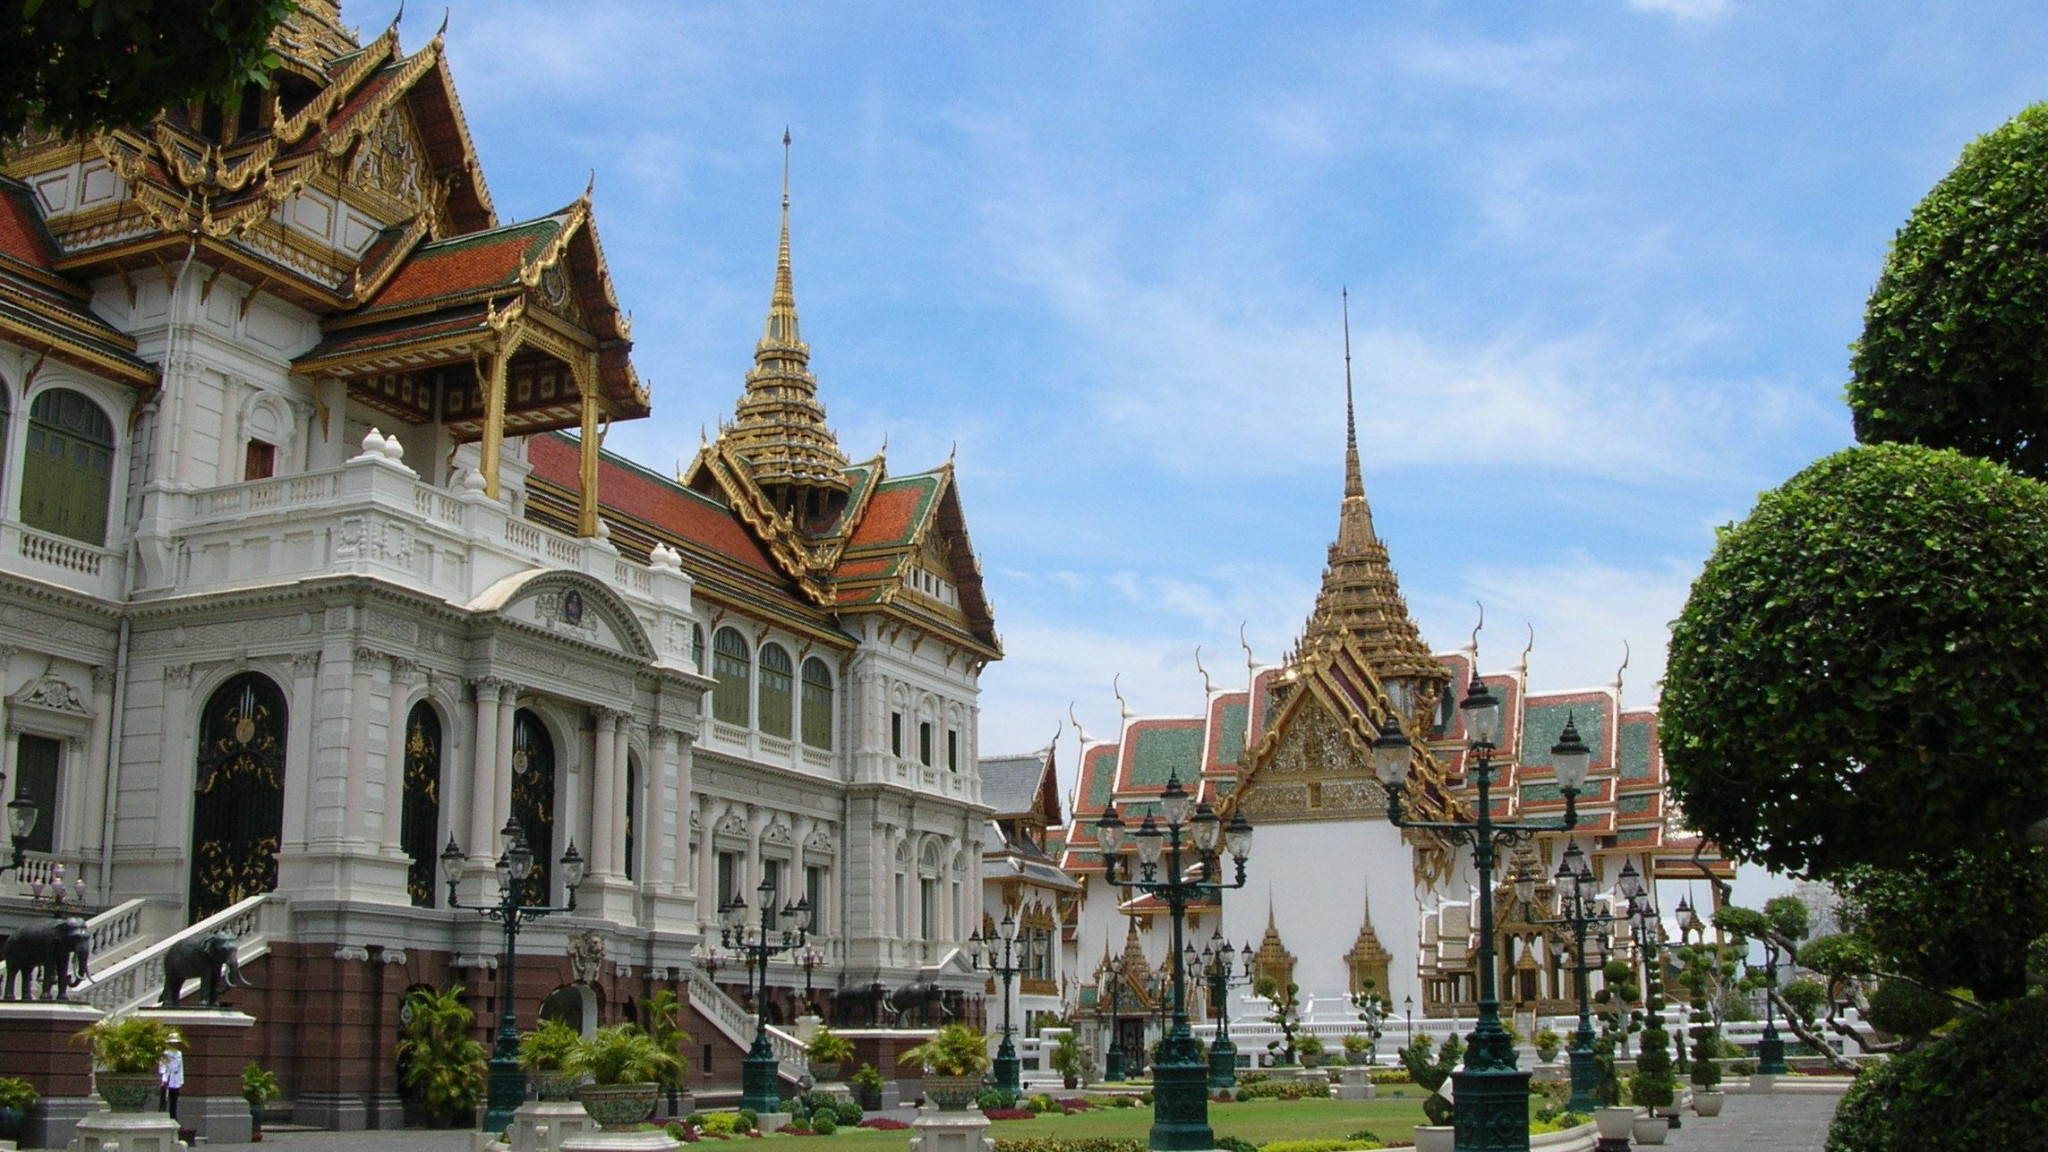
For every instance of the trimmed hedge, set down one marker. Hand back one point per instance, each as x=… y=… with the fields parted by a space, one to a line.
x=1284 y=1090
x=1320 y=1145
x=1983 y=1084
x=1055 y=1144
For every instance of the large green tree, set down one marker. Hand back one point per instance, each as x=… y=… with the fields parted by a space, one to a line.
x=1859 y=672
x=1959 y=919
x=77 y=66
x=1954 y=350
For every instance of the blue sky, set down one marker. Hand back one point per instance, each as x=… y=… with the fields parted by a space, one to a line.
x=1605 y=259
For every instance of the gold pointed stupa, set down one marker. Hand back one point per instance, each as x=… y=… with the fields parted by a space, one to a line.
x=1360 y=599
x=780 y=430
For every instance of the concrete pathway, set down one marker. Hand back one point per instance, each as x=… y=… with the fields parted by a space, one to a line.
x=1774 y=1123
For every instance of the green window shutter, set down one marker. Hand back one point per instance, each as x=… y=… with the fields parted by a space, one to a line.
x=777 y=698
x=817 y=704
x=36 y=765
x=731 y=670
x=67 y=474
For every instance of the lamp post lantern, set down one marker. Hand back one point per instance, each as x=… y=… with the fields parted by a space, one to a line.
x=1579 y=910
x=1113 y=1058
x=809 y=958
x=758 y=1071
x=1770 y=1050
x=507 y=1083
x=1180 y=1109
x=1493 y=1095
x=999 y=952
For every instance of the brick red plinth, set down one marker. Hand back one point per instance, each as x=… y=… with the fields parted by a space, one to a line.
x=217 y=1044
x=36 y=1045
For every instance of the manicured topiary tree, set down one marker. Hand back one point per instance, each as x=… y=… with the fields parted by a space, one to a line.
x=1429 y=1073
x=1977 y=1086
x=1954 y=351
x=1858 y=672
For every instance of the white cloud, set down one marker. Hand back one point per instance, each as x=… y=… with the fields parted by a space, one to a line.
x=1686 y=11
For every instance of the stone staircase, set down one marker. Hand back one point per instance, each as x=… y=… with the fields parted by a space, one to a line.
x=135 y=978
x=737 y=1024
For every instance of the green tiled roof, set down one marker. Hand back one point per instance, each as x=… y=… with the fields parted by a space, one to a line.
x=1541 y=793
x=1230 y=732
x=1632 y=804
x=1543 y=723
x=1101 y=778
x=1156 y=752
x=1635 y=836
x=1634 y=758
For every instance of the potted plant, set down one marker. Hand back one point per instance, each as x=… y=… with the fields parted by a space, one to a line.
x=1616 y=1121
x=440 y=1067
x=259 y=1087
x=1066 y=1060
x=1356 y=1048
x=1429 y=1074
x=1309 y=1049
x=1708 y=969
x=17 y=1096
x=1651 y=1087
x=1548 y=1044
x=544 y=1053
x=829 y=1050
x=125 y=1053
x=953 y=1059
x=867 y=1086
x=663 y=1012
x=625 y=1067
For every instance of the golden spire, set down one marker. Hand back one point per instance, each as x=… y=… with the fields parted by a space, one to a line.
x=1360 y=598
x=780 y=429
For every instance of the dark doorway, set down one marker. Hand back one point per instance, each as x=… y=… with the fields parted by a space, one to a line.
x=238 y=805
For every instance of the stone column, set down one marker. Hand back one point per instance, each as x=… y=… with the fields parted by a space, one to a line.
x=604 y=744
x=675 y=746
x=355 y=822
x=501 y=787
x=622 y=748
x=403 y=672
x=708 y=894
x=303 y=719
x=483 y=772
x=95 y=785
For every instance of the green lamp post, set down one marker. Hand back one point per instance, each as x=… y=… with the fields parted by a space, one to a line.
x=758 y=1072
x=999 y=952
x=1579 y=910
x=1178 y=862
x=1492 y=1094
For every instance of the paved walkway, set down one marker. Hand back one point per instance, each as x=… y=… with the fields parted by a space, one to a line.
x=1780 y=1123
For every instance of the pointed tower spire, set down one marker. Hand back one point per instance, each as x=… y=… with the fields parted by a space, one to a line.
x=779 y=429
x=1360 y=598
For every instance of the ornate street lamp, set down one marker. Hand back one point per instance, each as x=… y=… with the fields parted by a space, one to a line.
x=758 y=1088
x=1180 y=1110
x=1770 y=1050
x=1218 y=963
x=22 y=815
x=1113 y=1059
x=516 y=865
x=809 y=958
x=1000 y=953
x=1579 y=910
x=1492 y=1094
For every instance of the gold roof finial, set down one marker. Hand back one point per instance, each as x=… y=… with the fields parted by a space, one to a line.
x=780 y=429
x=1354 y=482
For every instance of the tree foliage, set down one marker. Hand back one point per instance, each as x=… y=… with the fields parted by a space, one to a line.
x=78 y=66
x=1904 y=1009
x=1954 y=919
x=1954 y=350
x=1858 y=672
x=1982 y=1085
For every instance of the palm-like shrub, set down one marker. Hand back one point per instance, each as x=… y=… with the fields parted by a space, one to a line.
x=954 y=1050
x=622 y=1054
x=126 y=1043
x=547 y=1047
x=440 y=1065
x=829 y=1047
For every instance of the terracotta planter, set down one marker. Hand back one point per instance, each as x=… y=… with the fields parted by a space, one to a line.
x=952 y=1093
x=1615 y=1123
x=1651 y=1129
x=1708 y=1102
x=1432 y=1138
x=619 y=1107
x=127 y=1091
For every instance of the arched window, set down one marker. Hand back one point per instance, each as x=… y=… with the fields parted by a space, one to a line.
x=67 y=476
x=817 y=704
x=777 y=680
x=238 y=802
x=533 y=799
x=632 y=796
x=420 y=813
x=730 y=669
x=697 y=646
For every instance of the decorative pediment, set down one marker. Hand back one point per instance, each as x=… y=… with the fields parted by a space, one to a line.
x=820 y=841
x=52 y=693
x=569 y=605
x=777 y=833
x=1313 y=770
x=733 y=825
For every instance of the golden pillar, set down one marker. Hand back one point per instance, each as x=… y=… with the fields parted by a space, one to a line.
x=586 y=472
x=494 y=421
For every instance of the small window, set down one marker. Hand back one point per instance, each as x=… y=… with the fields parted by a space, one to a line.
x=771 y=874
x=952 y=750
x=697 y=646
x=774 y=711
x=895 y=733
x=35 y=778
x=728 y=877
x=731 y=669
x=67 y=475
x=924 y=743
x=817 y=692
x=814 y=891
x=260 y=463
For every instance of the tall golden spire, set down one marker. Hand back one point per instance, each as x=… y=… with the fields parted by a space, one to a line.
x=1360 y=598
x=780 y=428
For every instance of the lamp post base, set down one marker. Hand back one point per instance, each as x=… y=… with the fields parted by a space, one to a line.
x=1222 y=1066
x=1493 y=1109
x=1113 y=1066
x=1770 y=1056
x=506 y=1091
x=759 y=1089
x=1180 y=1106
x=1008 y=1070
x=1585 y=1079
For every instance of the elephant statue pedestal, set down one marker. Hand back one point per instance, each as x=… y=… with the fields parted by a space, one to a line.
x=35 y=1037
x=218 y=1042
x=127 y=1132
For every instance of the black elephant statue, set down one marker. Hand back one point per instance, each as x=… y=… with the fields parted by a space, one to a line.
x=920 y=994
x=211 y=959
x=49 y=949
x=861 y=1000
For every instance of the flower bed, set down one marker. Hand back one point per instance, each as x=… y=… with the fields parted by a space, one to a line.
x=1054 y=1144
x=1009 y=1113
x=884 y=1124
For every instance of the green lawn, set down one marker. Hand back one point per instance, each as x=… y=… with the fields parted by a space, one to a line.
x=1398 y=1109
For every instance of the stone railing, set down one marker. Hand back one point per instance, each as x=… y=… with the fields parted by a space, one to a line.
x=137 y=980
x=119 y=931
x=56 y=560
x=738 y=1025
